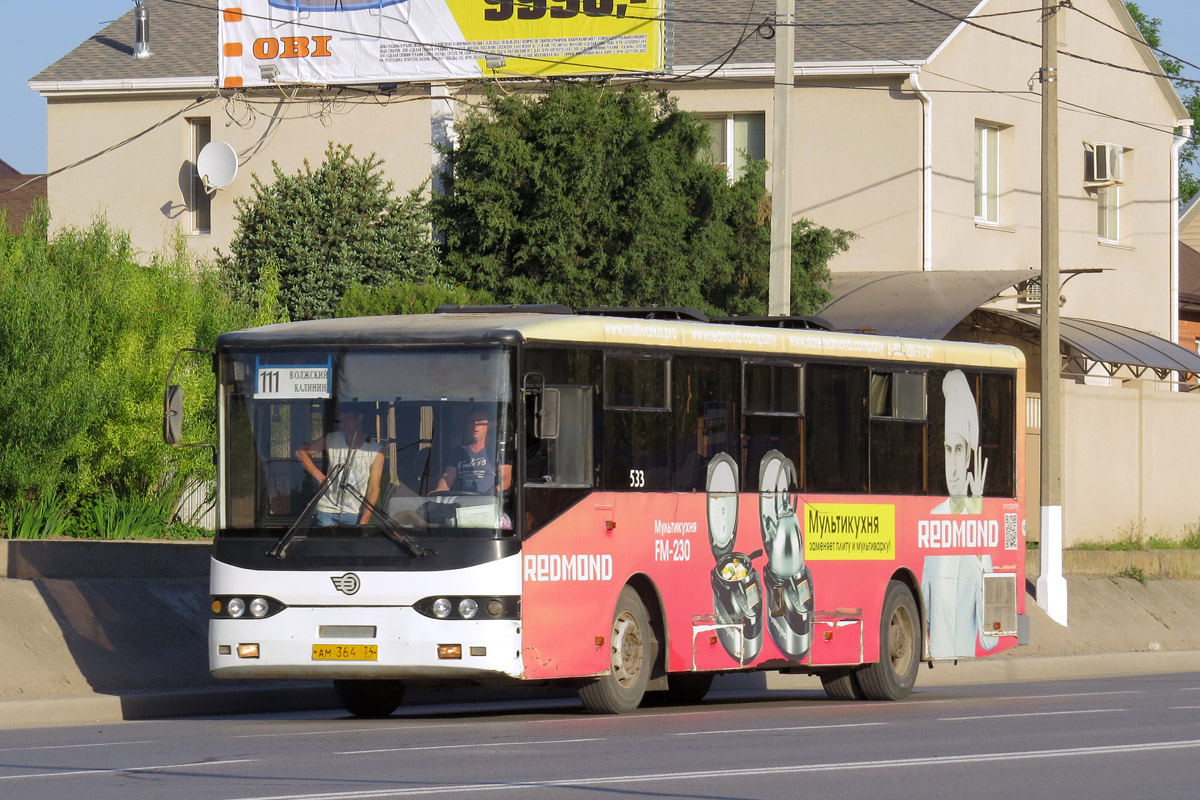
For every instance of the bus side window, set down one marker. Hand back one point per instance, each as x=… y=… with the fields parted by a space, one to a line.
x=835 y=401
x=565 y=459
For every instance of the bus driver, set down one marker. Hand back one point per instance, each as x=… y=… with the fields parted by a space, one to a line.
x=472 y=469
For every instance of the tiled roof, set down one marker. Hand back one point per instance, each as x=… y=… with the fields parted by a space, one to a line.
x=827 y=30
x=18 y=202
x=183 y=37
x=1189 y=274
x=183 y=40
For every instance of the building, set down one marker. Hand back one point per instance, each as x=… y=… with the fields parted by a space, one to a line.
x=19 y=194
x=916 y=125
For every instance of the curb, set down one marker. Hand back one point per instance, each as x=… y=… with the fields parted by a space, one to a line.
x=99 y=708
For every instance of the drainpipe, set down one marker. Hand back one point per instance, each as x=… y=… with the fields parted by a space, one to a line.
x=926 y=172
x=1180 y=141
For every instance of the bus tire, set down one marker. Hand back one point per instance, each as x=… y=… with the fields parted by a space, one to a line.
x=631 y=657
x=369 y=698
x=685 y=688
x=893 y=676
x=840 y=684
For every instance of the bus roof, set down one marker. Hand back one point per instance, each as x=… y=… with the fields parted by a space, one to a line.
x=510 y=327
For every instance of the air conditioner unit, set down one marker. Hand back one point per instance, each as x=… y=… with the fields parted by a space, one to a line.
x=1031 y=294
x=1107 y=160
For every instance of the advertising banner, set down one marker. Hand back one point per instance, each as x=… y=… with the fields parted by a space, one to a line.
x=382 y=41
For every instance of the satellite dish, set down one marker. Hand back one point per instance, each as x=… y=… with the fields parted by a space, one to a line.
x=217 y=165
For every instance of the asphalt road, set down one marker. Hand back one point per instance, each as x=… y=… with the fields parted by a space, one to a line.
x=1125 y=737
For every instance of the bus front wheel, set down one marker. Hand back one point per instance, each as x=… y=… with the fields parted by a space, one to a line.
x=631 y=655
x=369 y=698
x=893 y=676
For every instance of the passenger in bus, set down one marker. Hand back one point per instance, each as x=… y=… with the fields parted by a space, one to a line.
x=472 y=468
x=355 y=464
x=961 y=438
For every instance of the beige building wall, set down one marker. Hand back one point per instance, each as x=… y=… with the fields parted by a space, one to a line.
x=1130 y=452
x=144 y=186
x=1097 y=104
x=855 y=159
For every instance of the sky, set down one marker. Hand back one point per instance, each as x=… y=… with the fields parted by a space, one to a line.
x=41 y=32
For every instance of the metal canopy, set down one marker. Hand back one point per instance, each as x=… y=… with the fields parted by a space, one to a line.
x=922 y=305
x=1091 y=343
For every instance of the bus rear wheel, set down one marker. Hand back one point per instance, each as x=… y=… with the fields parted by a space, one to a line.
x=840 y=684
x=369 y=698
x=631 y=655
x=893 y=676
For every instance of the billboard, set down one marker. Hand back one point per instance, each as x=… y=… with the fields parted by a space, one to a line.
x=384 y=41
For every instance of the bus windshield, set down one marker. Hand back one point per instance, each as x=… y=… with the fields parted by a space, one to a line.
x=388 y=447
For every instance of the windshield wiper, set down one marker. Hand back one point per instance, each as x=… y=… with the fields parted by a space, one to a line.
x=280 y=549
x=390 y=528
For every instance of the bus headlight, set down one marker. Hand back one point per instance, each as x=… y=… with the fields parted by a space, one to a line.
x=441 y=608
x=233 y=607
x=467 y=608
x=459 y=607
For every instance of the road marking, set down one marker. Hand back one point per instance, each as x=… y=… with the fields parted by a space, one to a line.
x=463 y=746
x=118 y=770
x=69 y=746
x=792 y=728
x=1057 y=696
x=524 y=786
x=1034 y=714
x=1184 y=708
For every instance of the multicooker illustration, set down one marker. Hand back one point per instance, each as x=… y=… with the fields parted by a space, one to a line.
x=788 y=579
x=737 y=589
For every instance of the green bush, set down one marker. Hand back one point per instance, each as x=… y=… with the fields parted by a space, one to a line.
x=324 y=230
x=406 y=297
x=88 y=335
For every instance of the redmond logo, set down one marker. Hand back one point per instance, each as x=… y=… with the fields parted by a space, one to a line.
x=346 y=584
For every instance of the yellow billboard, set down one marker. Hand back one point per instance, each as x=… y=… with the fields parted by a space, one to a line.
x=264 y=42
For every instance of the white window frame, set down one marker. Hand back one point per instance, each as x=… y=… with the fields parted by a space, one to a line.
x=1108 y=213
x=731 y=159
x=987 y=173
x=199 y=199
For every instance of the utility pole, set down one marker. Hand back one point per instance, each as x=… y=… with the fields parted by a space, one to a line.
x=1051 y=585
x=779 y=289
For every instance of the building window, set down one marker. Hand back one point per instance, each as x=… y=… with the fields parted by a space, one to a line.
x=1108 y=218
x=987 y=172
x=199 y=200
x=736 y=140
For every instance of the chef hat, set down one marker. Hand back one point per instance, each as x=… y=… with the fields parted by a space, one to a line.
x=961 y=416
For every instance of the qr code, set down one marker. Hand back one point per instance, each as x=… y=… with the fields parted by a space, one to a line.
x=1010 y=531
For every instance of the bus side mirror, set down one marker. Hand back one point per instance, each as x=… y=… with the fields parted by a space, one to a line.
x=546 y=419
x=173 y=414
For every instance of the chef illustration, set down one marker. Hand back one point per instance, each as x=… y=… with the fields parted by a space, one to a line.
x=952 y=585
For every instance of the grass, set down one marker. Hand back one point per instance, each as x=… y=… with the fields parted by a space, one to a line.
x=1134 y=573
x=103 y=517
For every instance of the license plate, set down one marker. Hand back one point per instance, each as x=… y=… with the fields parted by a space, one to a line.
x=345 y=652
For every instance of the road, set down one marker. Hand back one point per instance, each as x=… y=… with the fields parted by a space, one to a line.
x=1098 y=738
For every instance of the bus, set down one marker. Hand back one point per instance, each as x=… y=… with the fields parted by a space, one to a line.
x=620 y=501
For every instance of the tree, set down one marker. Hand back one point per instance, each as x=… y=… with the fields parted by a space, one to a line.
x=326 y=229
x=1189 y=182
x=86 y=339
x=593 y=197
x=406 y=297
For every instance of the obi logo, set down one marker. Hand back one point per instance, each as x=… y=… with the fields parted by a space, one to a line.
x=346 y=584
x=292 y=47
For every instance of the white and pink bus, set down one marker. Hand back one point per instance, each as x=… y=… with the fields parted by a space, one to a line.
x=613 y=501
